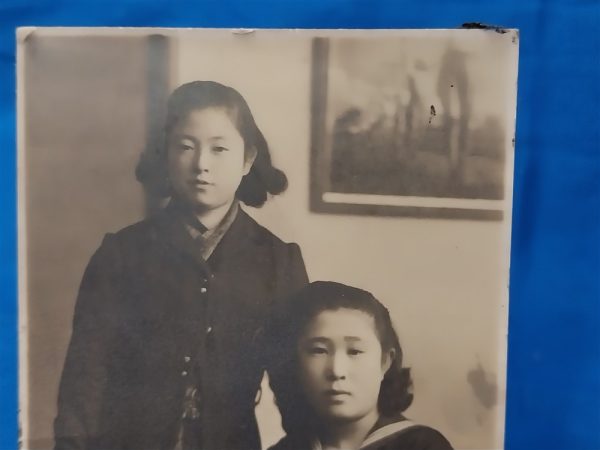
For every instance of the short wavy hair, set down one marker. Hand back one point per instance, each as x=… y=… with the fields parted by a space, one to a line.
x=262 y=179
x=290 y=321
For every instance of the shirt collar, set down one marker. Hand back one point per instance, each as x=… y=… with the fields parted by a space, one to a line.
x=209 y=239
x=385 y=426
x=191 y=235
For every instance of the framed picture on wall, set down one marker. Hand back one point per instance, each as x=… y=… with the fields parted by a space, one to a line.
x=413 y=123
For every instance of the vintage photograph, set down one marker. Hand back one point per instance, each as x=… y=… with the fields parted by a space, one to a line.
x=264 y=239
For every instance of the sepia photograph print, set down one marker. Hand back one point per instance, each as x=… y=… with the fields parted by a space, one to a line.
x=238 y=239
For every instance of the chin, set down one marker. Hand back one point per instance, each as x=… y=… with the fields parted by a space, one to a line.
x=342 y=415
x=200 y=202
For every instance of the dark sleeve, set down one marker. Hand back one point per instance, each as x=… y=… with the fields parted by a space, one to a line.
x=84 y=374
x=295 y=277
x=292 y=278
x=286 y=443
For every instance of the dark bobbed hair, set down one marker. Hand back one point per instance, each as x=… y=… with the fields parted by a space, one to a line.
x=289 y=323
x=263 y=178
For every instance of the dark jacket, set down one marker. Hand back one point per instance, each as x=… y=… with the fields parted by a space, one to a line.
x=150 y=314
x=383 y=436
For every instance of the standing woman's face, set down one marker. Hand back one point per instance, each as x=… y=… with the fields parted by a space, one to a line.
x=341 y=364
x=206 y=159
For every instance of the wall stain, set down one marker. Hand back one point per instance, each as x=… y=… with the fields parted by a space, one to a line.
x=484 y=386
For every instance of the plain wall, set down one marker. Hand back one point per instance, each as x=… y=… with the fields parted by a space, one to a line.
x=84 y=128
x=444 y=281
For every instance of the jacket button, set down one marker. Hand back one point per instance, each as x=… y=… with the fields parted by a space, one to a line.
x=187 y=359
x=209 y=330
x=184 y=373
x=203 y=290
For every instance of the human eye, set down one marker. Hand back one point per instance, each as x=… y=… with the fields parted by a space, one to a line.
x=316 y=350
x=184 y=146
x=354 y=351
x=220 y=148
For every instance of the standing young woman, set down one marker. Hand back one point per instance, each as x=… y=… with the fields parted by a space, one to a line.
x=168 y=350
x=340 y=376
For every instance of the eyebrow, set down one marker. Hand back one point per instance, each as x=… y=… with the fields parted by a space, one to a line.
x=185 y=136
x=325 y=340
x=195 y=140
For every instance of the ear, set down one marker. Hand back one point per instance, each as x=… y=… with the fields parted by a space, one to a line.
x=249 y=158
x=387 y=360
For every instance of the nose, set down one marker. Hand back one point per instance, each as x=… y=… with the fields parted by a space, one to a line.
x=338 y=366
x=202 y=160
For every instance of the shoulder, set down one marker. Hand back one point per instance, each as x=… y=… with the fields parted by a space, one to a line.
x=257 y=231
x=418 y=437
x=136 y=233
x=288 y=443
x=284 y=260
x=428 y=437
x=139 y=235
x=117 y=247
x=264 y=236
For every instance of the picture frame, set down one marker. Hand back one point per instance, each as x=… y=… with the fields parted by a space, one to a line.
x=398 y=128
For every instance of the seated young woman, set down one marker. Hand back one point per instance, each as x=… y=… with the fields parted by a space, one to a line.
x=341 y=384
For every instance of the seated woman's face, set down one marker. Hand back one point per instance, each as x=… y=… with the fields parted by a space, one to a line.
x=341 y=364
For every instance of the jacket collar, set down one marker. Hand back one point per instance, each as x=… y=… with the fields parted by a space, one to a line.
x=242 y=233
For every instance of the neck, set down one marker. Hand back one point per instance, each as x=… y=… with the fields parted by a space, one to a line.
x=348 y=435
x=210 y=218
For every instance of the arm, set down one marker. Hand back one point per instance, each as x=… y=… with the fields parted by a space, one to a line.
x=293 y=277
x=85 y=371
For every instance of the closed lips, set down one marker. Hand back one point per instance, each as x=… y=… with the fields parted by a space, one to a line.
x=336 y=392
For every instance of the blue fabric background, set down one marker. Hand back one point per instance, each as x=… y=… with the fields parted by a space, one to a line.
x=554 y=341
